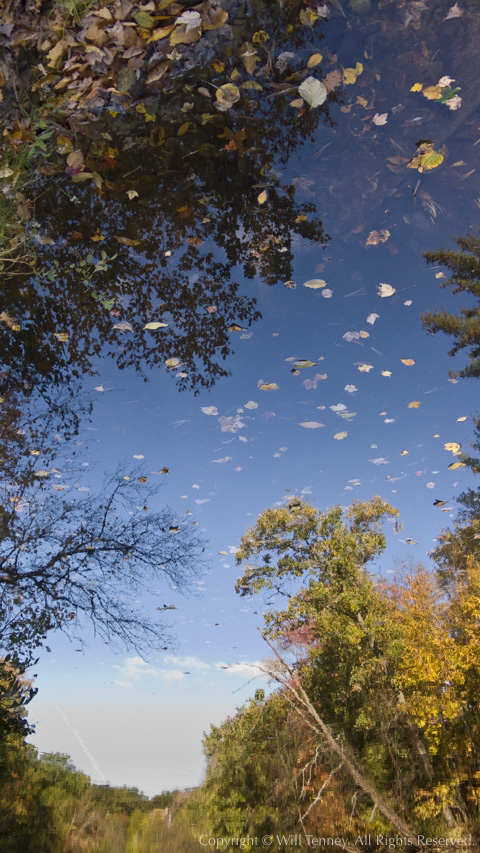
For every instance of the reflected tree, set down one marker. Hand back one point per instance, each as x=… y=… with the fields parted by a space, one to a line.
x=65 y=562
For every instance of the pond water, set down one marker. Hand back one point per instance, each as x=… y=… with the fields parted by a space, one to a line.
x=276 y=247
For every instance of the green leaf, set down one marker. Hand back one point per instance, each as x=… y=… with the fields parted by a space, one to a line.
x=145 y=20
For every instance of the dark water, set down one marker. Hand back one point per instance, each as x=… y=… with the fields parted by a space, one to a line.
x=221 y=224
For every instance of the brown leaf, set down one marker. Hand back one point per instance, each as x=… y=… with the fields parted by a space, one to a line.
x=212 y=16
x=126 y=241
x=55 y=54
x=184 y=35
x=333 y=79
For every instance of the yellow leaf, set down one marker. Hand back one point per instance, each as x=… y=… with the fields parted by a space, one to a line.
x=155 y=325
x=260 y=37
x=161 y=33
x=417 y=87
x=455 y=465
x=186 y=127
x=314 y=60
x=376 y=237
x=251 y=84
x=226 y=96
x=409 y=362
x=453 y=446
x=414 y=405
x=64 y=144
x=268 y=386
x=351 y=74
x=262 y=197
x=308 y=17
x=433 y=93
x=61 y=336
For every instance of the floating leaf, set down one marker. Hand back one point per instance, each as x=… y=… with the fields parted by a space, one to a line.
x=304 y=363
x=226 y=96
x=453 y=446
x=339 y=435
x=385 y=290
x=311 y=424
x=426 y=158
x=417 y=87
x=408 y=362
x=155 y=325
x=380 y=118
x=411 y=541
x=386 y=372
x=314 y=60
x=414 y=405
x=432 y=93
x=365 y=368
x=327 y=293
x=127 y=241
x=262 y=197
x=143 y=19
x=333 y=79
x=376 y=237
x=351 y=74
x=209 y=410
x=371 y=318
x=268 y=386
x=454 y=12
x=251 y=405
x=455 y=465
x=315 y=283
x=313 y=91
x=123 y=327
x=172 y=363
x=60 y=336
x=308 y=17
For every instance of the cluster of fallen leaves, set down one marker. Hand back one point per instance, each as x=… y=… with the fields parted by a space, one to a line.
x=97 y=59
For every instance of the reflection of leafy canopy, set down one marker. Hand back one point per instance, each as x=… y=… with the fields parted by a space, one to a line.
x=197 y=198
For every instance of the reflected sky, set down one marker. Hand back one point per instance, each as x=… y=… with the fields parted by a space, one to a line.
x=293 y=361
